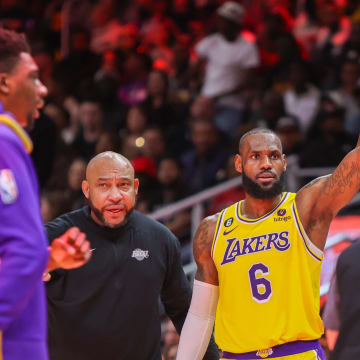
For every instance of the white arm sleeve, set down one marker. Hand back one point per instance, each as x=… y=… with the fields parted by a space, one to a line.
x=199 y=323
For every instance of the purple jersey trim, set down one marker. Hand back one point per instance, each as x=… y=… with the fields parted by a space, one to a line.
x=291 y=348
x=253 y=221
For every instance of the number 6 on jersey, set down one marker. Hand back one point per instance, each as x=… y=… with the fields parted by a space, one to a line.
x=260 y=287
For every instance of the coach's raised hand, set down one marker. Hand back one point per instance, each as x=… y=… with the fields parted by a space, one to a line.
x=70 y=250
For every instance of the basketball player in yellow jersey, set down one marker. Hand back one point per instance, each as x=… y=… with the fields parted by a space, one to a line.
x=259 y=260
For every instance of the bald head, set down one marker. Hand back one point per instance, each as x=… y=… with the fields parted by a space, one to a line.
x=106 y=157
x=110 y=188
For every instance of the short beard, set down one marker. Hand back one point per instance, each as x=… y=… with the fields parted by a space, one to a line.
x=255 y=190
x=99 y=215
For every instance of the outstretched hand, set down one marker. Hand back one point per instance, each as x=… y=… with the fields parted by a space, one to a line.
x=69 y=251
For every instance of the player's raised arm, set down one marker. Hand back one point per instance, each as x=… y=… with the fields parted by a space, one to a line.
x=199 y=322
x=320 y=200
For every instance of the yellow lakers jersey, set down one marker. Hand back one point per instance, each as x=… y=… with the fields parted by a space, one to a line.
x=269 y=279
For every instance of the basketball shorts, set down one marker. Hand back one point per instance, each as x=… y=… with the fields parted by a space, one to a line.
x=296 y=350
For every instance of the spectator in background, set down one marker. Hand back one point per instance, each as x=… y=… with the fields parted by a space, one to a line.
x=130 y=147
x=53 y=204
x=145 y=171
x=114 y=110
x=169 y=177
x=277 y=76
x=346 y=94
x=330 y=142
x=351 y=49
x=91 y=121
x=208 y=155
x=352 y=125
x=228 y=197
x=292 y=139
x=290 y=134
x=154 y=145
x=136 y=67
x=306 y=25
x=75 y=176
x=136 y=122
x=171 y=189
x=156 y=31
x=60 y=117
x=352 y=10
x=157 y=107
x=230 y=62
x=271 y=110
x=302 y=100
x=203 y=108
x=332 y=35
x=179 y=81
x=274 y=28
x=108 y=141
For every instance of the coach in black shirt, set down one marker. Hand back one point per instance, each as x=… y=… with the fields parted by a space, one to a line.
x=108 y=309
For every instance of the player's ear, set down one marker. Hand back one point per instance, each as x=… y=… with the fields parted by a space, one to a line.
x=4 y=86
x=284 y=161
x=136 y=185
x=85 y=188
x=238 y=163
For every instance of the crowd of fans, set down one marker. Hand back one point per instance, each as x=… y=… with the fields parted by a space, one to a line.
x=172 y=85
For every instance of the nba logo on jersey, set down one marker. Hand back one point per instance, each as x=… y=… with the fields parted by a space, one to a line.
x=264 y=353
x=8 y=188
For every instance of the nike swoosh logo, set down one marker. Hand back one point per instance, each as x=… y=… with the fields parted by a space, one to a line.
x=228 y=232
x=93 y=249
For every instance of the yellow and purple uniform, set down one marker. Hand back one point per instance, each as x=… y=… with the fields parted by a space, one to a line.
x=269 y=280
x=23 y=249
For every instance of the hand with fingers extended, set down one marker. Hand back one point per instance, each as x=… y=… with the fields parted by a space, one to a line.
x=69 y=251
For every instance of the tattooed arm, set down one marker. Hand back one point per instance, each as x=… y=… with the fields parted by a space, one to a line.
x=199 y=323
x=319 y=201
x=206 y=270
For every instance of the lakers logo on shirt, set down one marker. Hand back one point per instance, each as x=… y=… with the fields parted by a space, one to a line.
x=264 y=353
x=140 y=255
x=238 y=247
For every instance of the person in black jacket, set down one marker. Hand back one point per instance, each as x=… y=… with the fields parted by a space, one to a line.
x=342 y=311
x=108 y=309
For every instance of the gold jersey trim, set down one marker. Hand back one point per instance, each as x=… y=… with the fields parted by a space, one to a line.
x=216 y=234
x=24 y=137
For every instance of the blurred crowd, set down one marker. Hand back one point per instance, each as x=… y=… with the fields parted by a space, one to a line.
x=172 y=85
